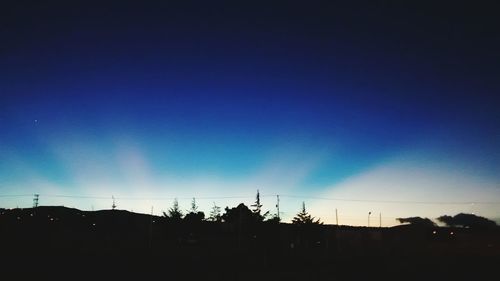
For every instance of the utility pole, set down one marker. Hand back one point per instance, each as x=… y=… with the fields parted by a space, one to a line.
x=380 y=219
x=336 y=217
x=35 y=200
x=114 y=205
x=369 y=213
x=278 y=205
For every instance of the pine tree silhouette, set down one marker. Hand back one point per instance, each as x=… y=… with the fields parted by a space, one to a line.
x=215 y=213
x=303 y=217
x=257 y=209
x=174 y=213
x=193 y=214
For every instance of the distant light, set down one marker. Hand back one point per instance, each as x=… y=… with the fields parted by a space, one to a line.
x=154 y=221
x=434 y=232
x=51 y=219
x=93 y=224
x=18 y=218
x=451 y=233
x=31 y=214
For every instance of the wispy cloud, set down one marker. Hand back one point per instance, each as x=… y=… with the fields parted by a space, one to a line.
x=409 y=185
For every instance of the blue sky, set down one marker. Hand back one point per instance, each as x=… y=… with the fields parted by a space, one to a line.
x=213 y=100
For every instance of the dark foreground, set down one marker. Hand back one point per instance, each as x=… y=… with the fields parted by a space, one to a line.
x=62 y=243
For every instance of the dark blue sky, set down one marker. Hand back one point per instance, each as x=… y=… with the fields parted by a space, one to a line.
x=327 y=91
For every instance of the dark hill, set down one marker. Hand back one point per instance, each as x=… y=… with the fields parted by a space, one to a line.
x=125 y=243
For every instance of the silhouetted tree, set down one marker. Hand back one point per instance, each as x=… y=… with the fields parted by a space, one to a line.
x=194 y=207
x=448 y=220
x=303 y=217
x=174 y=213
x=417 y=221
x=467 y=220
x=215 y=213
x=194 y=215
x=240 y=214
x=257 y=209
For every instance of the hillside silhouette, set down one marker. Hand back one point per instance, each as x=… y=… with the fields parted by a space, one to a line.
x=239 y=247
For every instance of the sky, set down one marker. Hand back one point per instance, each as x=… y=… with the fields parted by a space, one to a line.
x=385 y=108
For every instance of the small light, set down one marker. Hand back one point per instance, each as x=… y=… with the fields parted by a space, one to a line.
x=451 y=233
x=434 y=232
x=154 y=221
x=31 y=214
x=18 y=218
x=51 y=219
x=93 y=224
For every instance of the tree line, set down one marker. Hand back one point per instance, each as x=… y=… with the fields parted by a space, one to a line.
x=254 y=214
x=241 y=212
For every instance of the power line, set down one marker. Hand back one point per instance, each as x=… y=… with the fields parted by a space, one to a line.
x=131 y=198
x=267 y=195
x=394 y=201
x=75 y=196
x=16 y=195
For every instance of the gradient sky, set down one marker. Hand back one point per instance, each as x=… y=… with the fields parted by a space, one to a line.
x=393 y=103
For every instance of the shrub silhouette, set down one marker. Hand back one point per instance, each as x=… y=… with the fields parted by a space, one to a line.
x=239 y=214
x=417 y=221
x=467 y=220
